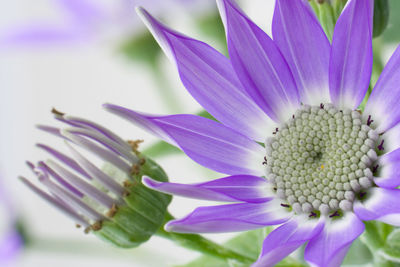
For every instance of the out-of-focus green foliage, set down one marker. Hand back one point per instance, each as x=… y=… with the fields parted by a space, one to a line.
x=381 y=16
x=211 y=25
x=392 y=33
x=249 y=244
x=142 y=48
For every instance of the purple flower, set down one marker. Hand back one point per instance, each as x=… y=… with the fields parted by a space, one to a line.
x=326 y=166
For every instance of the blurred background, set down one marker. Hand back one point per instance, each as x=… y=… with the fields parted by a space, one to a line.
x=75 y=55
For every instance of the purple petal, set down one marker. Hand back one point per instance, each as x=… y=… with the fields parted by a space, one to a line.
x=259 y=64
x=382 y=205
x=124 y=151
x=61 y=181
x=207 y=142
x=230 y=218
x=108 y=182
x=91 y=191
x=64 y=159
x=386 y=96
x=232 y=189
x=389 y=170
x=351 y=56
x=76 y=121
x=210 y=79
x=306 y=48
x=141 y=120
x=287 y=238
x=51 y=130
x=330 y=246
x=56 y=203
x=391 y=139
x=104 y=154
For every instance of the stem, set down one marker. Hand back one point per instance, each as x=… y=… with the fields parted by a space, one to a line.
x=201 y=244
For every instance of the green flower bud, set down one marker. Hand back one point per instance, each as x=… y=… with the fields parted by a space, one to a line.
x=111 y=202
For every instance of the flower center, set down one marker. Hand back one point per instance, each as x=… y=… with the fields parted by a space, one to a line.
x=321 y=159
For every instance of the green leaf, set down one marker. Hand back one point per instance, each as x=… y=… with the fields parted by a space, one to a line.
x=381 y=16
x=358 y=254
x=392 y=33
x=391 y=250
x=249 y=244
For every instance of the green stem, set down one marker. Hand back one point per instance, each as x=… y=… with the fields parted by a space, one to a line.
x=203 y=245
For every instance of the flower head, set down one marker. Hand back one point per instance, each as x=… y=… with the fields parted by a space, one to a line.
x=111 y=202
x=326 y=166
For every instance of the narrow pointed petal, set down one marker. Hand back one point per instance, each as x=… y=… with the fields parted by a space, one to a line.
x=287 y=238
x=108 y=182
x=51 y=130
x=244 y=188
x=386 y=96
x=97 y=128
x=141 y=120
x=330 y=246
x=391 y=139
x=210 y=79
x=381 y=205
x=124 y=151
x=259 y=64
x=73 y=202
x=302 y=40
x=100 y=152
x=230 y=218
x=207 y=142
x=62 y=181
x=55 y=202
x=85 y=187
x=64 y=159
x=351 y=56
x=388 y=170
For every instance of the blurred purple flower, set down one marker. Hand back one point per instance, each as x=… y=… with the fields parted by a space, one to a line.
x=11 y=240
x=83 y=20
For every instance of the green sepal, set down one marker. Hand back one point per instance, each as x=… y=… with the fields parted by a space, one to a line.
x=143 y=211
x=381 y=17
x=114 y=234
